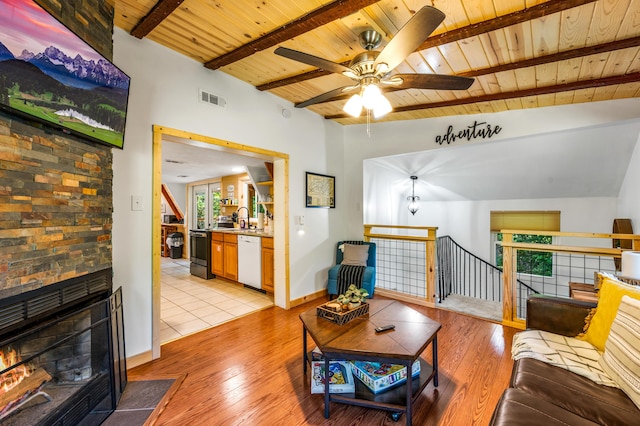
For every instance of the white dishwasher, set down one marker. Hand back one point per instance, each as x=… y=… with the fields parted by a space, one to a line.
x=250 y=260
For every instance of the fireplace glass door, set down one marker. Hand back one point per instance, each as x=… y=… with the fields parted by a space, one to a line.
x=62 y=371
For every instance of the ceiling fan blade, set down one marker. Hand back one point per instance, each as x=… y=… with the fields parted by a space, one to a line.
x=430 y=81
x=315 y=61
x=326 y=96
x=410 y=37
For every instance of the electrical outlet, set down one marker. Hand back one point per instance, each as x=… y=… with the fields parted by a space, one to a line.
x=136 y=203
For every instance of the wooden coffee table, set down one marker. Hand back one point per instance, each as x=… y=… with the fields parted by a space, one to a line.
x=357 y=340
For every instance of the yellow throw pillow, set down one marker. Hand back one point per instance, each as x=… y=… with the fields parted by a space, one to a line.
x=621 y=358
x=599 y=323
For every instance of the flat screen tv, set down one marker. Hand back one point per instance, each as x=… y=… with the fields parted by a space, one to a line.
x=49 y=74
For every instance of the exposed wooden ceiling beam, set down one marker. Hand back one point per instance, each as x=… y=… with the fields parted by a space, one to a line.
x=175 y=208
x=557 y=57
x=576 y=85
x=156 y=15
x=524 y=15
x=319 y=17
x=535 y=12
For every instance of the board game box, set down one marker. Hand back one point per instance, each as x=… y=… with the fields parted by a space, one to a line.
x=340 y=377
x=380 y=377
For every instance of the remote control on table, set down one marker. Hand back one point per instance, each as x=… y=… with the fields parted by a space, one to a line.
x=385 y=328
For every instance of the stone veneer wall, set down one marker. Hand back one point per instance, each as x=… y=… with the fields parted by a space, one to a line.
x=56 y=198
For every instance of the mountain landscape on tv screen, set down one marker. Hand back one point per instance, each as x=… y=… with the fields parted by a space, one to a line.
x=86 y=96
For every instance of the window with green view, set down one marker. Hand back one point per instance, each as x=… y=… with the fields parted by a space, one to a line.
x=529 y=261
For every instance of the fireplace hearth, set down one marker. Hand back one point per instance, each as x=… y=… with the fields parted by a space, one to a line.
x=64 y=345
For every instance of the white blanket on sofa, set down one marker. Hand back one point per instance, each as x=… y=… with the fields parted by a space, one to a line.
x=575 y=355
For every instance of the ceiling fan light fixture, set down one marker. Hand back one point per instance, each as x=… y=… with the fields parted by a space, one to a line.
x=353 y=107
x=372 y=68
x=382 y=107
x=370 y=96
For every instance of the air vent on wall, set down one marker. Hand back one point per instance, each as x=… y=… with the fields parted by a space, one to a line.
x=211 y=99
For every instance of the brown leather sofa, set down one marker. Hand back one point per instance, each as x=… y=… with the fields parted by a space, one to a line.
x=542 y=394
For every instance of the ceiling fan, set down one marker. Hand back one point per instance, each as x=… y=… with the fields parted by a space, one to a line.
x=371 y=70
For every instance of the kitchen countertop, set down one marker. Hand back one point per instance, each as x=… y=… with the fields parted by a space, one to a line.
x=238 y=231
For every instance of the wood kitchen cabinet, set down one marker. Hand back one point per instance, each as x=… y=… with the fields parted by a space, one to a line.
x=217 y=254
x=267 y=264
x=231 y=256
x=224 y=255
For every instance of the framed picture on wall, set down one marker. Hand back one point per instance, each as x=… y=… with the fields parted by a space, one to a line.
x=320 y=190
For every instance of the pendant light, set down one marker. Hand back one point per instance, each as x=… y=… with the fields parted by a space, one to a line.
x=413 y=199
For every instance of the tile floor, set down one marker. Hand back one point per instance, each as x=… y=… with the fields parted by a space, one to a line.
x=190 y=304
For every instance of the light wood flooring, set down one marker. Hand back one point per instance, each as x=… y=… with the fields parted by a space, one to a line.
x=249 y=372
x=190 y=304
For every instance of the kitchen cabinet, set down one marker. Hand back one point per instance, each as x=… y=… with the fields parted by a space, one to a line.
x=217 y=254
x=267 y=264
x=231 y=256
x=224 y=255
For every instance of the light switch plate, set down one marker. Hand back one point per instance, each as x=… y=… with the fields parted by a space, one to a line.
x=136 y=203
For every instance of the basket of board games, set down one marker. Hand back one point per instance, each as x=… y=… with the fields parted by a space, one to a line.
x=329 y=312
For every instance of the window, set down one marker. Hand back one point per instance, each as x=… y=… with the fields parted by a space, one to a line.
x=201 y=219
x=215 y=197
x=529 y=261
x=206 y=205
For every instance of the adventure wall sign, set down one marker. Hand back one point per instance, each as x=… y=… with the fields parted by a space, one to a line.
x=476 y=130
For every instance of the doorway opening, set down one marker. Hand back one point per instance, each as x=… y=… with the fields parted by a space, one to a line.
x=280 y=203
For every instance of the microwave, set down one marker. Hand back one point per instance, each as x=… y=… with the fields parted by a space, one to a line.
x=169 y=218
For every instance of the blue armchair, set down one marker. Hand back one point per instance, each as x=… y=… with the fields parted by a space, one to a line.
x=369 y=277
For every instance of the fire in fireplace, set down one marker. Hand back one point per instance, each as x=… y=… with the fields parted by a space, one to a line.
x=68 y=367
x=20 y=384
x=13 y=377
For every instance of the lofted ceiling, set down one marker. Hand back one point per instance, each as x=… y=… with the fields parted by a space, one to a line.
x=556 y=165
x=522 y=53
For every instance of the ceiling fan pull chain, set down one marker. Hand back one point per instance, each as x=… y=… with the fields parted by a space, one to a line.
x=368 y=123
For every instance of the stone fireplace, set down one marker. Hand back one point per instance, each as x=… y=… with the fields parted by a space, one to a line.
x=59 y=318
x=63 y=353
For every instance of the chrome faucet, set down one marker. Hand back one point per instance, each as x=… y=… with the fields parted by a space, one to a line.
x=240 y=217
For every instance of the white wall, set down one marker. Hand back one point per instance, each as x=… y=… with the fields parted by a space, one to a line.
x=400 y=137
x=468 y=222
x=629 y=199
x=179 y=194
x=164 y=91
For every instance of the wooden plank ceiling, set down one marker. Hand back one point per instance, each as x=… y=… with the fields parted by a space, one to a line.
x=522 y=53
